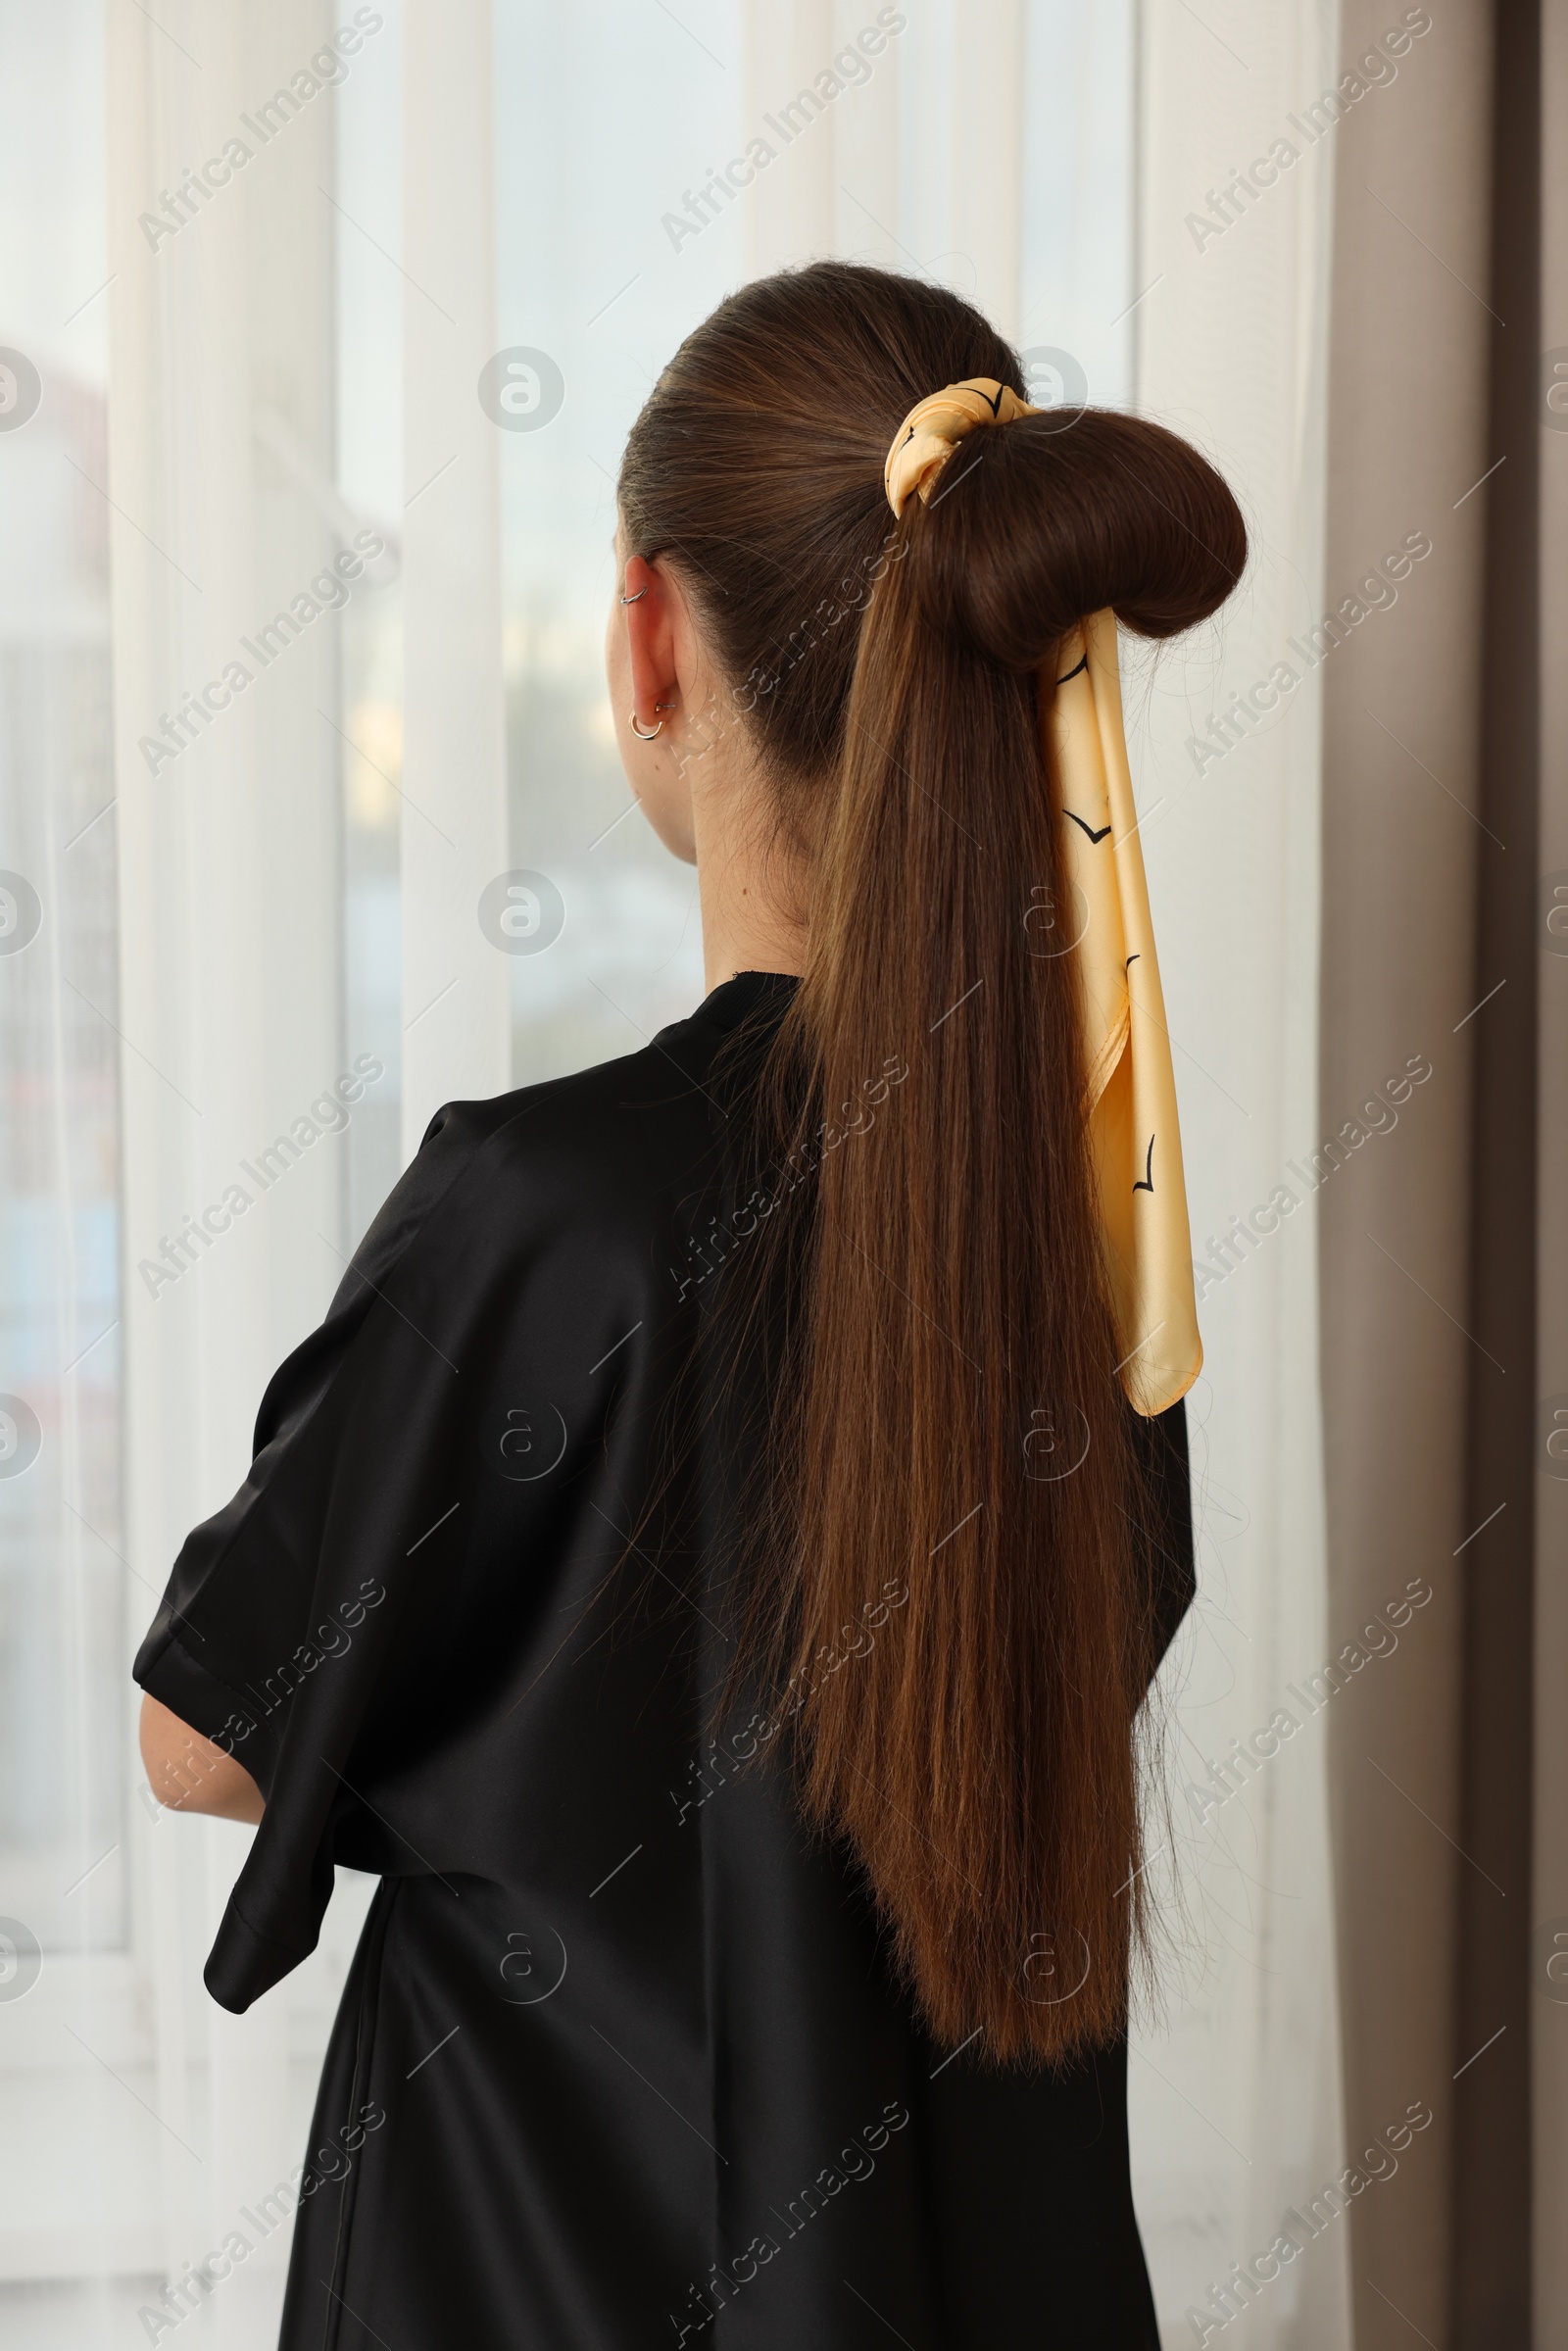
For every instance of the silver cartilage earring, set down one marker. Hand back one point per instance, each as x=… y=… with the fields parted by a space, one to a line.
x=637 y=598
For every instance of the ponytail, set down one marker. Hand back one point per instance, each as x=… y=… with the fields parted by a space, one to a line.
x=950 y=1422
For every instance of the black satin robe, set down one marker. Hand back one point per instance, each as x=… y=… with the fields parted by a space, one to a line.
x=620 y=2063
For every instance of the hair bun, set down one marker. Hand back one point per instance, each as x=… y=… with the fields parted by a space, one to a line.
x=1061 y=513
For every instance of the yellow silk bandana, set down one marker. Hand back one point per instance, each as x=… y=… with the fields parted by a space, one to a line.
x=1134 y=1137
x=934 y=427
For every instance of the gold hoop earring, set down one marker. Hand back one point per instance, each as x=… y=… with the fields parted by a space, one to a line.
x=650 y=732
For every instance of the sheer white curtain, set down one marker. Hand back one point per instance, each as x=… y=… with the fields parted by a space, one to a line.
x=221 y=468
x=454 y=998
x=1236 y=2103
x=306 y=367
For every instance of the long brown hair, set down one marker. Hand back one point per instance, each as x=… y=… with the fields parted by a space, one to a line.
x=954 y=1345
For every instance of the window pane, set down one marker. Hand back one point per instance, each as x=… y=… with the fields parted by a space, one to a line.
x=606 y=299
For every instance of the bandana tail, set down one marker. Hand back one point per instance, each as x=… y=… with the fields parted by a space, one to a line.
x=1134 y=1134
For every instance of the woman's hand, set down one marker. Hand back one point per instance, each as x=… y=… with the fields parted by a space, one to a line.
x=188 y=1774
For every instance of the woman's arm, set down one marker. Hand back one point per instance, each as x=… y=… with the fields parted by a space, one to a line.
x=188 y=1774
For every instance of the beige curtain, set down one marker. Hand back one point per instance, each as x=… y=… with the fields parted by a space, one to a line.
x=1439 y=813
x=1548 y=937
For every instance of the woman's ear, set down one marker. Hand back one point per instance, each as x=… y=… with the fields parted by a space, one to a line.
x=650 y=621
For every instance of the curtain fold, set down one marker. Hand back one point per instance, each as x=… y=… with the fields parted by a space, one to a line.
x=226 y=805
x=987 y=129
x=1408 y=444
x=791 y=208
x=456 y=1023
x=1491 y=2197
x=1548 y=422
x=1438 y=812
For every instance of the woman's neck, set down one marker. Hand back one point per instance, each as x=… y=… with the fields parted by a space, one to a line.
x=748 y=886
